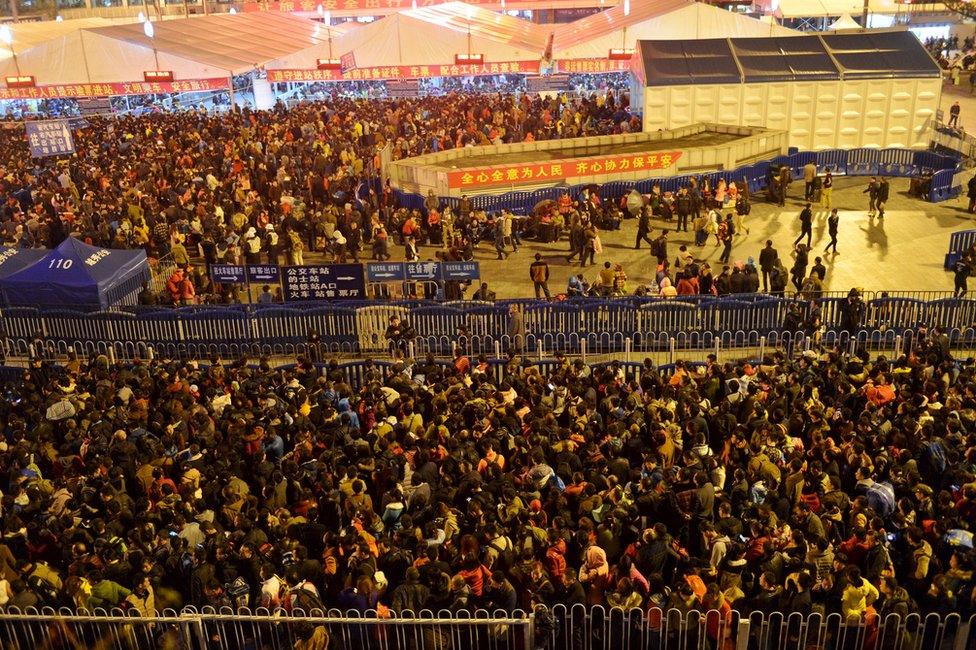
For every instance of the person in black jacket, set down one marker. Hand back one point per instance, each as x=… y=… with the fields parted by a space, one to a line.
x=767 y=261
x=883 y=192
x=806 y=225
x=682 y=206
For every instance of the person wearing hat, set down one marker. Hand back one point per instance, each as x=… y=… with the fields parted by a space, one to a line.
x=271 y=244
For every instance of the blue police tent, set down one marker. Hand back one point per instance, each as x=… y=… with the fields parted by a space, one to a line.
x=78 y=275
x=15 y=259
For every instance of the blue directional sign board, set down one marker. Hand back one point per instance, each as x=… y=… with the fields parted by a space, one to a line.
x=423 y=271
x=263 y=272
x=227 y=273
x=385 y=272
x=49 y=138
x=460 y=271
x=324 y=282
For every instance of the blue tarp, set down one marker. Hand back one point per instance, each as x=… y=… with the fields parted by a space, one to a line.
x=15 y=259
x=76 y=274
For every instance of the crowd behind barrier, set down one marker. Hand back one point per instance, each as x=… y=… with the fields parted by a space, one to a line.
x=579 y=628
x=577 y=325
x=934 y=169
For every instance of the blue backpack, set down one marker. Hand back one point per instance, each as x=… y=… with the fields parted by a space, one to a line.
x=933 y=460
x=881 y=498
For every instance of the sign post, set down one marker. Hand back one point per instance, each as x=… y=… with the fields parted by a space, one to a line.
x=49 y=138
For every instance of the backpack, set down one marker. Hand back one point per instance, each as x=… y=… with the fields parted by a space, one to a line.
x=932 y=463
x=881 y=498
x=238 y=592
x=557 y=482
x=505 y=558
x=304 y=600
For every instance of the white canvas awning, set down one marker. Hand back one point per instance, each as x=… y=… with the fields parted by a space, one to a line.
x=412 y=38
x=594 y=36
x=204 y=47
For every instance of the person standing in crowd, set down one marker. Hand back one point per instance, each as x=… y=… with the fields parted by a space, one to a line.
x=516 y=328
x=644 y=226
x=783 y=181
x=799 y=270
x=883 y=192
x=806 y=226
x=809 y=175
x=742 y=210
x=768 y=257
x=954 y=111
x=683 y=207
x=961 y=271
x=659 y=249
x=827 y=189
x=726 y=234
x=833 y=221
x=539 y=274
x=872 y=191
x=590 y=242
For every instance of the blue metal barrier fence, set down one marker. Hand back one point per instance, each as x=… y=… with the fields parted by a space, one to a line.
x=574 y=326
x=936 y=169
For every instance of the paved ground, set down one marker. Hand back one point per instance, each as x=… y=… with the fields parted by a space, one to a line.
x=902 y=252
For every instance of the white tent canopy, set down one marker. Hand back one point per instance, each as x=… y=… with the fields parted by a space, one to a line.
x=197 y=48
x=830 y=8
x=404 y=39
x=843 y=23
x=594 y=36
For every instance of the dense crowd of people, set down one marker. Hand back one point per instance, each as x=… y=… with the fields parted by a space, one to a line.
x=265 y=186
x=825 y=482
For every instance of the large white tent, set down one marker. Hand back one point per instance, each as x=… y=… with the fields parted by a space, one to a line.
x=594 y=36
x=831 y=8
x=408 y=39
x=216 y=46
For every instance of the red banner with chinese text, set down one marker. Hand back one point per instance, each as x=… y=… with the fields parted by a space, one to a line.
x=403 y=72
x=536 y=172
x=61 y=91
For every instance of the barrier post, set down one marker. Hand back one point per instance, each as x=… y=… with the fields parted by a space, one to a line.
x=33 y=353
x=583 y=349
x=111 y=354
x=628 y=349
x=853 y=346
x=529 y=634
x=762 y=348
x=718 y=347
x=897 y=351
x=742 y=635
x=539 y=349
x=671 y=351
x=498 y=349
x=150 y=352
x=410 y=350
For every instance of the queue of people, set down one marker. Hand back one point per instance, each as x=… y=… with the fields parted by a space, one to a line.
x=828 y=482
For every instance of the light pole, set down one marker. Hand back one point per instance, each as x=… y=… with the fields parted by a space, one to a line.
x=7 y=36
x=150 y=32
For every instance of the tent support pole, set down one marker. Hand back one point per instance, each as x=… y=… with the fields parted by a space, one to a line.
x=230 y=80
